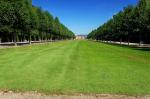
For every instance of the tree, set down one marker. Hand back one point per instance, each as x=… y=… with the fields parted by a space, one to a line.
x=7 y=19
x=132 y=24
x=20 y=21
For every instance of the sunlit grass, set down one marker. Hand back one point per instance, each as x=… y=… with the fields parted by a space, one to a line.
x=75 y=67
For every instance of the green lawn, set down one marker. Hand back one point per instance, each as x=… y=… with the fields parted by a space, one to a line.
x=75 y=67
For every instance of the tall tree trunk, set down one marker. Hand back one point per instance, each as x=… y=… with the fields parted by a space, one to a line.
x=41 y=37
x=140 y=38
x=121 y=40
x=12 y=37
x=0 y=40
x=29 y=38
x=15 y=38
x=23 y=38
x=46 y=36
x=50 y=36
x=128 y=39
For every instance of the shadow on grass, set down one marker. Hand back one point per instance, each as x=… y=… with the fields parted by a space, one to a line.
x=134 y=47
x=142 y=49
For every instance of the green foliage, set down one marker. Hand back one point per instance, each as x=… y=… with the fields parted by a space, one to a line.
x=7 y=17
x=18 y=18
x=130 y=25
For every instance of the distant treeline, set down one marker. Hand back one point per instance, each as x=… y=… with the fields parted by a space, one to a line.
x=130 y=25
x=21 y=21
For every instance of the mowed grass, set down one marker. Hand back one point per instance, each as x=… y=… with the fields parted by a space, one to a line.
x=70 y=67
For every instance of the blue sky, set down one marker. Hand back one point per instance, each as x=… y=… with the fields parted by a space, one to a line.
x=82 y=16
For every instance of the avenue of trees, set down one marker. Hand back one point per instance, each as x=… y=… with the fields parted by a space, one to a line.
x=21 y=21
x=130 y=25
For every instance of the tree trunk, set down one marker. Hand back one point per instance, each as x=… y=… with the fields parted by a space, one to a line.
x=50 y=36
x=139 y=39
x=23 y=38
x=0 y=40
x=128 y=42
x=41 y=37
x=120 y=40
x=15 y=38
x=29 y=38
x=46 y=37
x=128 y=39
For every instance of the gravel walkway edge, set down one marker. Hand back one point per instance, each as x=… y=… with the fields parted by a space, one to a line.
x=30 y=95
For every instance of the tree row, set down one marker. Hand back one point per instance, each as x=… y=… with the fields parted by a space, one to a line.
x=21 y=21
x=132 y=24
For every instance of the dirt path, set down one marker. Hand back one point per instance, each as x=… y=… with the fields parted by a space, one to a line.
x=3 y=47
x=131 y=44
x=11 y=95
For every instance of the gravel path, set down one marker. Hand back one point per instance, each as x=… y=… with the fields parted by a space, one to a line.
x=131 y=44
x=40 y=96
x=2 y=47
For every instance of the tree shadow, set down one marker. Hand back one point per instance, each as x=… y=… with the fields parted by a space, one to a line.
x=143 y=49
x=134 y=47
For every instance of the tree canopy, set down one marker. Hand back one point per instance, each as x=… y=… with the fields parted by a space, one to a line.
x=132 y=24
x=21 y=21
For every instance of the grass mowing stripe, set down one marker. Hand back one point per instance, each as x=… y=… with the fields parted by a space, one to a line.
x=75 y=67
